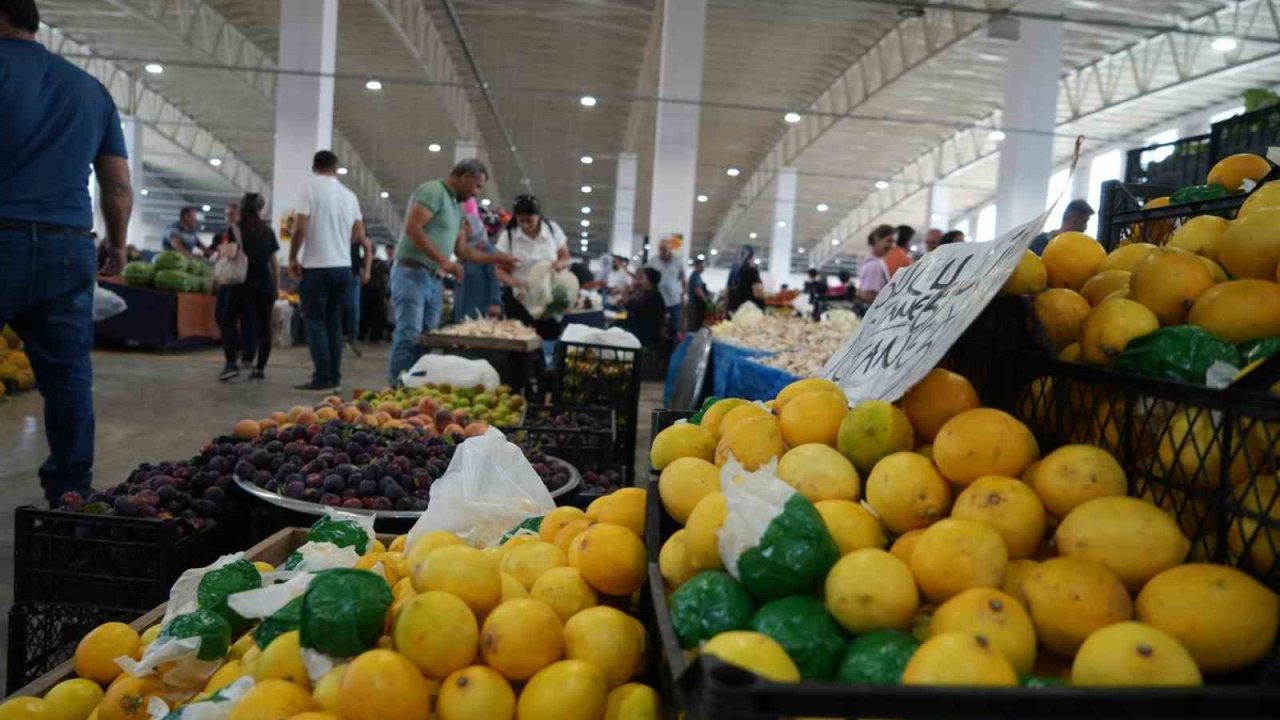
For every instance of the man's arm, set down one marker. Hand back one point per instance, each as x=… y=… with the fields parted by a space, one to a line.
x=180 y=247
x=464 y=251
x=116 y=194
x=358 y=237
x=295 y=244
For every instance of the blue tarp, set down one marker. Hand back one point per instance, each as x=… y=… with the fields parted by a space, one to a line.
x=733 y=373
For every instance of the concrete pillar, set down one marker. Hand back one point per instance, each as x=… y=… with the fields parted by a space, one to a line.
x=937 y=213
x=783 y=230
x=133 y=145
x=675 y=152
x=1030 y=95
x=463 y=150
x=304 y=103
x=622 y=238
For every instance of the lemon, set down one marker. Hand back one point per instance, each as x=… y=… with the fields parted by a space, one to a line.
x=1101 y=286
x=384 y=685
x=1071 y=258
x=753 y=442
x=1028 y=278
x=625 y=507
x=223 y=676
x=611 y=558
x=606 y=638
x=702 y=532
x=983 y=441
x=959 y=658
x=1126 y=257
x=905 y=544
x=555 y=521
x=907 y=492
x=869 y=590
x=325 y=693
x=512 y=589
x=1131 y=653
x=425 y=544
x=1060 y=313
x=739 y=414
x=956 y=554
x=520 y=637
x=851 y=526
x=564 y=590
x=567 y=690
x=939 y=396
x=819 y=472
x=527 y=562
x=1231 y=171
x=476 y=693
x=95 y=656
x=1168 y=282
x=1074 y=474
x=813 y=417
x=463 y=571
x=633 y=701
x=1109 y=328
x=1200 y=235
x=73 y=699
x=998 y=617
x=681 y=440
x=150 y=634
x=1007 y=505
x=872 y=430
x=755 y=652
x=683 y=483
x=1015 y=574
x=564 y=538
x=1131 y=538
x=282 y=659
x=25 y=707
x=1070 y=598
x=673 y=562
x=712 y=418
x=270 y=699
x=437 y=632
x=800 y=387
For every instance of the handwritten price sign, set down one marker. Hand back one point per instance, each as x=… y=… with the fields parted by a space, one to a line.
x=922 y=311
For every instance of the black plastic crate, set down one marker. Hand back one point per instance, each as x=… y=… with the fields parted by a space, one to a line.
x=584 y=496
x=1252 y=132
x=1121 y=219
x=603 y=376
x=580 y=435
x=44 y=635
x=1185 y=161
x=104 y=561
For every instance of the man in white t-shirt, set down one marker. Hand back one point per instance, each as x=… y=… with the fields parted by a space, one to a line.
x=671 y=286
x=326 y=223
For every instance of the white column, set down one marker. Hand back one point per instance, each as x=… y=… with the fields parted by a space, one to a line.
x=783 y=230
x=675 y=152
x=463 y=150
x=1030 y=95
x=133 y=145
x=1079 y=185
x=304 y=103
x=937 y=213
x=622 y=238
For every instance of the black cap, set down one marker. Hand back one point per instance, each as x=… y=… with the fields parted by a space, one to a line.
x=1079 y=207
x=526 y=205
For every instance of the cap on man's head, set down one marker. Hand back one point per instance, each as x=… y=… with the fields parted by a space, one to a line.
x=1079 y=207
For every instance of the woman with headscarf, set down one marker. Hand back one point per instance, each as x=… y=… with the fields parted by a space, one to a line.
x=744 y=281
x=478 y=294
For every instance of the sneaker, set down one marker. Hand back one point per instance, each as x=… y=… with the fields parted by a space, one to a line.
x=229 y=371
x=257 y=374
x=337 y=389
x=313 y=385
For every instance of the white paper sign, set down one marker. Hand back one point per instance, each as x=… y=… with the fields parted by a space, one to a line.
x=922 y=311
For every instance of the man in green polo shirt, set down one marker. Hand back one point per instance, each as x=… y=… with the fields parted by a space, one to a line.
x=432 y=232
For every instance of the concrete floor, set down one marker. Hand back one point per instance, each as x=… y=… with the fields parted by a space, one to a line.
x=164 y=407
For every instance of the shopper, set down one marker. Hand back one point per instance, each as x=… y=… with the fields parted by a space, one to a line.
x=182 y=237
x=672 y=287
x=1074 y=219
x=55 y=122
x=844 y=289
x=898 y=256
x=873 y=273
x=255 y=296
x=744 y=282
x=361 y=266
x=373 y=303
x=247 y=336
x=646 y=308
x=816 y=286
x=478 y=294
x=432 y=229
x=326 y=221
x=951 y=237
x=698 y=297
x=530 y=238
x=931 y=239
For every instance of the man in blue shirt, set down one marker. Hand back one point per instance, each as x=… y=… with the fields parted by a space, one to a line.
x=56 y=122
x=182 y=236
x=698 y=297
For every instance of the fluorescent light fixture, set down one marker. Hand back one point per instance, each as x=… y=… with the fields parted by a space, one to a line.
x=733 y=172
x=216 y=162
x=343 y=171
x=801 y=251
x=996 y=135
x=714 y=252
x=823 y=207
x=586 y=210
x=585 y=223
x=372 y=84
x=586 y=159
x=145 y=192
x=384 y=194
x=154 y=68
x=587 y=101
x=792 y=117
x=583 y=233
x=646 y=246
x=485 y=202
x=881 y=184
x=782 y=223
x=756 y=261
x=585 y=188
x=433 y=147
x=835 y=241
x=1224 y=44
x=702 y=198
x=753 y=235
x=701 y=256
x=206 y=208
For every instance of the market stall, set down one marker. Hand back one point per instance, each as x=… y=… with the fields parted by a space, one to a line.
x=158 y=319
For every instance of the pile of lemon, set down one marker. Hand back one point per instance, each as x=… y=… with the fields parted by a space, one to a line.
x=952 y=525
x=15 y=366
x=536 y=628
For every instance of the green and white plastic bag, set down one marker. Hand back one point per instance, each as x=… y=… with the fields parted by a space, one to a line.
x=773 y=541
x=217 y=706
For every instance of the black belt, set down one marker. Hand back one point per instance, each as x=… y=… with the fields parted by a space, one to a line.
x=406 y=262
x=46 y=228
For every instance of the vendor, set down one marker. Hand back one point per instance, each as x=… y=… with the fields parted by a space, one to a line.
x=646 y=310
x=531 y=238
x=182 y=237
x=744 y=282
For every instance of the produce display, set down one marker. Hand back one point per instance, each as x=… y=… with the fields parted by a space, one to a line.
x=16 y=374
x=430 y=403
x=1207 y=300
x=798 y=345
x=170 y=271
x=425 y=626
x=490 y=328
x=931 y=543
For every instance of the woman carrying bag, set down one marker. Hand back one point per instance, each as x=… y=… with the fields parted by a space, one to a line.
x=247 y=265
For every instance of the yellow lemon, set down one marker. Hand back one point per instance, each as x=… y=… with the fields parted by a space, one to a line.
x=476 y=693
x=1126 y=257
x=611 y=558
x=425 y=544
x=463 y=571
x=555 y=521
x=325 y=693
x=813 y=417
x=606 y=638
x=681 y=440
x=1231 y=171
x=565 y=591
x=625 y=507
x=755 y=652
x=683 y=483
x=437 y=632
x=1074 y=474
x=872 y=430
x=1070 y=598
x=512 y=589
x=800 y=387
x=1168 y=282
x=994 y=615
x=673 y=562
x=907 y=492
x=702 y=532
x=869 y=590
x=753 y=442
x=633 y=701
x=73 y=699
x=956 y=554
x=282 y=660
x=527 y=562
x=712 y=418
x=95 y=656
x=1007 y=505
x=1134 y=654
x=272 y=699
x=819 y=472
x=938 y=397
x=384 y=685
x=850 y=525
x=1200 y=235
x=984 y=441
x=1071 y=258
x=1101 y=286
x=959 y=658
x=1028 y=278
x=1060 y=313
x=1131 y=538
x=520 y=637
x=1239 y=310
x=567 y=690
x=1109 y=328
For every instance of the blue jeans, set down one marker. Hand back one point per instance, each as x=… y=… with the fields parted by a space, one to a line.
x=324 y=293
x=351 y=318
x=673 y=321
x=46 y=294
x=419 y=299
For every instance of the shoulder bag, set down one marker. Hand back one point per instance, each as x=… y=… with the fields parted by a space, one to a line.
x=232 y=266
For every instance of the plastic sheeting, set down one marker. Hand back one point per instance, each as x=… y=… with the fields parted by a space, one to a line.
x=734 y=373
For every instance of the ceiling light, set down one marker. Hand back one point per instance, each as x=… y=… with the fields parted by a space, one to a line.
x=206 y=208
x=433 y=147
x=635 y=257
x=342 y=171
x=792 y=117
x=702 y=198
x=701 y=256
x=823 y=207
x=1224 y=44
x=835 y=241
x=714 y=252
x=881 y=184
x=587 y=101
x=753 y=235
x=485 y=202
x=216 y=162
x=801 y=251
x=585 y=188
x=756 y=261
x=733 y=172
x=145 y=192
x=585 y=223
x=384 y=194
x=583 y=233
x=373 y=85
x=995 y=135
x=586 y=210
x=782 y=223
x=587 y=159
x=646 y=246
x=154 y=68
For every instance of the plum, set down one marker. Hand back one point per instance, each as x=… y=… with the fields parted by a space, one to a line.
x=214 y=494
x=330 y=499
x=294 y=490
x=353 y=503
x=367 y=488
x=334 y=484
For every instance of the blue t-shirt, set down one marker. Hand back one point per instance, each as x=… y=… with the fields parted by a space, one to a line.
x=190 y=239
x=56 y=119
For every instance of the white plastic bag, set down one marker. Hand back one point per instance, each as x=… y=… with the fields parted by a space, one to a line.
x=488 y=489
x=215 y=707
x=106 y=304
x=613 y=337
x=451 y=369
x=282 y=324
x=265 y=601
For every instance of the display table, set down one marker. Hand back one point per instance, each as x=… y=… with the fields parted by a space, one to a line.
x=158 y=319
x=734 y=372
x=515 y=360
